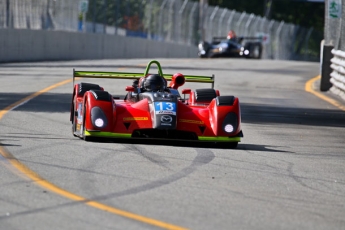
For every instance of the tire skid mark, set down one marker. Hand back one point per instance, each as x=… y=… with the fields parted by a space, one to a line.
x=300 y=181
x=204 y=156
x=154 y=158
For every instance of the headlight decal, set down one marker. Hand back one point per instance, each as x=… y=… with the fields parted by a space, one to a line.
x=98 y=118
x=230 y=123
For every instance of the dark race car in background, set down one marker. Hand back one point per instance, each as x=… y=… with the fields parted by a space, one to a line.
x=248 y=47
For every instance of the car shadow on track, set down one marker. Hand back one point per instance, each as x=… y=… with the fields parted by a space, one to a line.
x=191 y=144
x=5 y=144
x=270 y=114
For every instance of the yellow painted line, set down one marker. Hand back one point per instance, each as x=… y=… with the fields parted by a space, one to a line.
x=309 y=88
x=28 y=98
x=47 y=185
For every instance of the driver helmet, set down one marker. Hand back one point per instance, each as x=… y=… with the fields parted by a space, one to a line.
x=231 y=34
x=154 y=83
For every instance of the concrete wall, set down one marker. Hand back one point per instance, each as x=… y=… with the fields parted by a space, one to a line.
x=17 y=45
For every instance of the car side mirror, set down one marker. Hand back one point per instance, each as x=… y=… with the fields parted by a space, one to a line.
x=186 y=91
x=129 y=88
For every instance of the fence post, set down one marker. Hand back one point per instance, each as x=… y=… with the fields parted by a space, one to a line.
x=307 y=43
x=202 y=16
x=278 y=39
x=105 y=16
x=180 y=15
x=238 y=24
x=160 y=23
x=248 y=24
x=230 y=19
x=221 y=22
x=212 y=18
x=332 y=24
x=190 y=31
x=171 y=20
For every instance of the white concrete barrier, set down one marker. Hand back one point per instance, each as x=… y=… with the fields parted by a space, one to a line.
x=338 y=73
x=18 y=45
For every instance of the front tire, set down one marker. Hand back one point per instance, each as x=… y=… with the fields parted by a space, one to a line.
x=85 y=138
x=73 y=121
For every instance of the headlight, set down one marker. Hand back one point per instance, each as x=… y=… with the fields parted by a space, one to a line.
x=246 y=52
x=99 y=122
x=228 y=128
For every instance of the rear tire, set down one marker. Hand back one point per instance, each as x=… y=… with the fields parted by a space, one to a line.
x=205 y=95
x=257 y=51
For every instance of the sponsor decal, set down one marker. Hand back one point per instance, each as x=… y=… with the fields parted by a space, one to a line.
x=80 y=117
x=78 y=127
x=166 y=119
x=191 y=121
x=166 y=112
x=135 y=118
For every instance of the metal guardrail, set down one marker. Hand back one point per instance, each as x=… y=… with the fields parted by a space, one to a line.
x=338 y=73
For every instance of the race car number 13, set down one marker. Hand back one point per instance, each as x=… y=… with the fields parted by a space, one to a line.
x=165 y=106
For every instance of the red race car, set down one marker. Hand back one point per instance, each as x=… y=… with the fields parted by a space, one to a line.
x=154 y=109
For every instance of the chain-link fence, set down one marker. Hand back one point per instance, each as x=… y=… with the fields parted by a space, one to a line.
x=39 y=14
x=178 y=21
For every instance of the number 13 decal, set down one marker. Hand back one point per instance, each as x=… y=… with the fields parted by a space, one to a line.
x=165 y=106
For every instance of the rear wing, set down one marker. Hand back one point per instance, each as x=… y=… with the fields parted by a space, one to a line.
x=239 y=38
x=128 y=75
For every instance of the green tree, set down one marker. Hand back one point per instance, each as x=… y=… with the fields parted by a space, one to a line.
x=125 y=14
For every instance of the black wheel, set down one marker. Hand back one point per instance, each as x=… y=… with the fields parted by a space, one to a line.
x=205 y=95
x=204 y=48
x=85 y=138
x=256 y=51
x=73 y=121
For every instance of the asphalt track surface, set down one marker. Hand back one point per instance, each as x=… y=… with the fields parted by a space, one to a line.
x=287 y=173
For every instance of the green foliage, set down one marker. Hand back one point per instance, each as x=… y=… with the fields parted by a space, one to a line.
x=122 y=13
